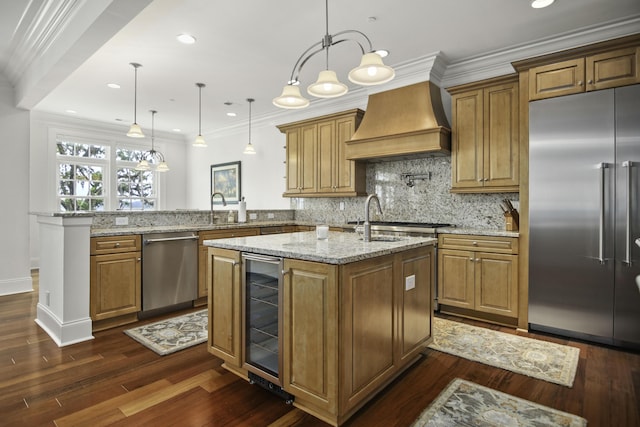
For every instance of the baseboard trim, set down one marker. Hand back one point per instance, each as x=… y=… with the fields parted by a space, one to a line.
x=63 y=333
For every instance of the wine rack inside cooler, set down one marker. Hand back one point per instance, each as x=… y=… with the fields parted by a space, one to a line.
x=262 y=292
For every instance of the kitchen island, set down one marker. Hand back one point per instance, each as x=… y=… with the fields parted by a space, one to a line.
x=352 y=315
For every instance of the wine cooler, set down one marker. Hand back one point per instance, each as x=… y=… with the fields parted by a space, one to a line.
x=263 y=329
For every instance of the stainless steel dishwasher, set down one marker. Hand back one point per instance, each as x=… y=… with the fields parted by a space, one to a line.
x=169 y=269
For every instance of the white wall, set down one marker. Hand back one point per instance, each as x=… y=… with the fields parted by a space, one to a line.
x=14 y=181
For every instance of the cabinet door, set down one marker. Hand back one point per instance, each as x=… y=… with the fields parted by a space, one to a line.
x=310 y=346
x=415 y=296
x=496 y=284
x=612 y=69
x=225 y=305
x=456 y=278
x=350 y=175
x=501 y=142
x=293 y=163
x=367 y=329
x=561 y=78
x=115 y=285
x=307 y=159
x=326 y=156
x=467 y=140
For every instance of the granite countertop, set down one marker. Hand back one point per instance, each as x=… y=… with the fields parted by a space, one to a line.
x=339 y=248
x=119 y=231
x=478 y=231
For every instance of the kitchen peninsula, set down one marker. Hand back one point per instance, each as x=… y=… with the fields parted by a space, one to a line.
x=351 y=315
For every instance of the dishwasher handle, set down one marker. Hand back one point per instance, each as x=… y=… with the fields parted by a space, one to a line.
x=169 y=239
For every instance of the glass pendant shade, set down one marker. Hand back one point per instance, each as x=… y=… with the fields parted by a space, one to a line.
x=291 y=98
x=539 y=4
x=327 y=86
x=135 y=131
x=371 y=71
x=162 y=167
x=200 y=142
x=143 y=166
x=249 y=149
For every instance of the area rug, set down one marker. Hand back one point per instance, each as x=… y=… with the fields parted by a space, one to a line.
x=464 y=403
x=174 y=334
x=544 y=360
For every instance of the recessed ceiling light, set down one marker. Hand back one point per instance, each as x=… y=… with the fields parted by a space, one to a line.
x=186 y=38
x=71 y=111
x=539 y=4
x=113 y=85
x=176 y=130
x=230 y=114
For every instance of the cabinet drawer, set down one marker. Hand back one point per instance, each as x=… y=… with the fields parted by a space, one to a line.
x=223 y=234
x=503 y=245
x=115 y=244
x=278 y=229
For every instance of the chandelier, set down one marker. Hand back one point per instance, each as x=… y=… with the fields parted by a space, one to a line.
x=152 y=159
x=371 y=71
x=135 y=131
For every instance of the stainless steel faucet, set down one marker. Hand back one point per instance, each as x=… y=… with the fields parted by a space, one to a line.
x=224 y=203
x=367 y=224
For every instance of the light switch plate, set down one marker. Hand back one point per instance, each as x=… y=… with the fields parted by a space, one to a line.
x=253 y=216
x=270 y=215
x=409 y=282
x=122 y=220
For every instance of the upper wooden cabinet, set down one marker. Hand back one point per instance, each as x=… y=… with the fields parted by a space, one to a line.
x=485 y=143
x=602 y=71
x=316 y=161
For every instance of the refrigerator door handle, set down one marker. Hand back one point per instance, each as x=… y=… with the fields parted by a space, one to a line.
x=627 y=255
x=602 y=166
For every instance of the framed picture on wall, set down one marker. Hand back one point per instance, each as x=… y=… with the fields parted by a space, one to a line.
x=226 y=179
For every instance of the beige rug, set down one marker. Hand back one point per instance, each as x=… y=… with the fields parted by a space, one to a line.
x=174 y=334
x=464 y=403
x=535 y=358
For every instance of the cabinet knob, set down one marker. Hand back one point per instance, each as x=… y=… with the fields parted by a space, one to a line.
x=580 y=83
x=471 y=259
x=117 y=245
x=477 y=260
x=139 y=259
x=590 y=81
x=285 y=272
x=475 y=243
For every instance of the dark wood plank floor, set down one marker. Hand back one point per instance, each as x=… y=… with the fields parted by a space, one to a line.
x=114 y=381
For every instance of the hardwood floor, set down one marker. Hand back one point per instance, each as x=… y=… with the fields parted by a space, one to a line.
x=114 y=381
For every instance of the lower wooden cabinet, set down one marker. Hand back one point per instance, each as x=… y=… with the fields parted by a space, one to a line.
x=115 y=280
x=478 y=277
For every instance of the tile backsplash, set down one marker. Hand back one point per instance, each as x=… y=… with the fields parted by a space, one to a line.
x=429 y=200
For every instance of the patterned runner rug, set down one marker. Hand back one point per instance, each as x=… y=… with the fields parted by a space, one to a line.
x=535 y=358
x=464 y=403
x=174 y=334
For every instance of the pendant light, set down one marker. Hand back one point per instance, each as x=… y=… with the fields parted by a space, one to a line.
x=249 y=148
x=135 y=131
x=152 y=159
x=371 y=71
x=200 y=142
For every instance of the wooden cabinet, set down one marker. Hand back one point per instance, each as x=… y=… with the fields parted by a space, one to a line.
x=604 y=70
x=316 y=163
x=115 y=280
x=479 y=275
x=485 y=136
x=203 y=253
x=225 y=306
x=347 y=329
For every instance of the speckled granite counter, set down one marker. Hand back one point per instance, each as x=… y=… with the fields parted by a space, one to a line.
x=339 y=248
x=119 y=231
x=478 y=232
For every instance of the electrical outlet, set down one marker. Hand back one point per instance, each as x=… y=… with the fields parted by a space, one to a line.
x=341 y=206
x=122 y=220
x=253 y=216
x=409 y=282
x=270 y=215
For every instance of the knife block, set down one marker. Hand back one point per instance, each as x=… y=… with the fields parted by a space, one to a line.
x=511 y=221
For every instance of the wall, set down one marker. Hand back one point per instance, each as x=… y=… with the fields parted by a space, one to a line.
x=14 y=178
x=427 y=201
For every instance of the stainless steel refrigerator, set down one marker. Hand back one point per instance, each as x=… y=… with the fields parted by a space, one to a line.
x=584 y=219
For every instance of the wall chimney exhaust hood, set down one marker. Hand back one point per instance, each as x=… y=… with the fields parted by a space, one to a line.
x=405 y=122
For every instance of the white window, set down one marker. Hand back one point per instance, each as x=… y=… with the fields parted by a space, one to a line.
x=100 y=175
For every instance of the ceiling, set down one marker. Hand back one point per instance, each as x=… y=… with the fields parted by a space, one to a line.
x=247 y=48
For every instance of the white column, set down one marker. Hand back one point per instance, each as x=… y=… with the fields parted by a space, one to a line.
x=63 y=305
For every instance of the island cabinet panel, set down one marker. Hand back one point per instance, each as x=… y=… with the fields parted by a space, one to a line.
x=115 y=280
x=417 y=293
x=367 y=328
x=310 y=348
x=225 y=306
